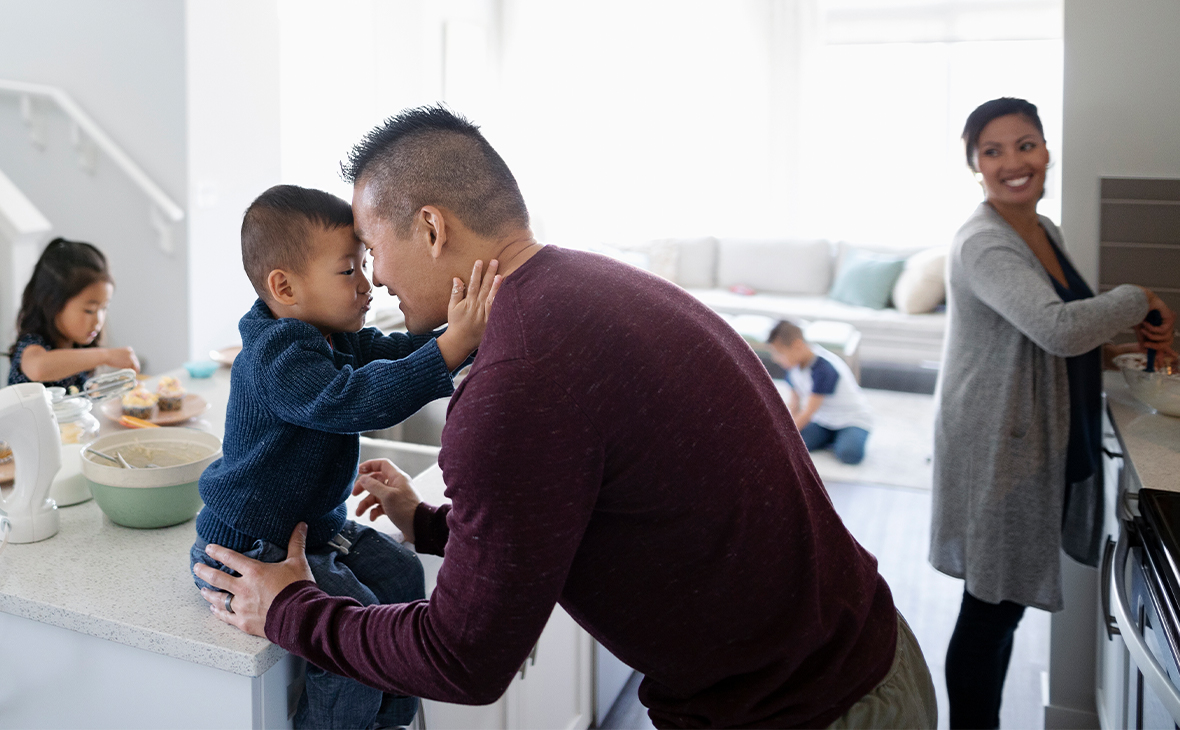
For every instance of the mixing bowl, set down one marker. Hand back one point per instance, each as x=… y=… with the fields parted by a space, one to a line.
x=1159 y=390
x=162 y=488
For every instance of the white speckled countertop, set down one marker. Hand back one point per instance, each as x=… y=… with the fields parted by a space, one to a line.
x=1151 y=440
x=130 y=586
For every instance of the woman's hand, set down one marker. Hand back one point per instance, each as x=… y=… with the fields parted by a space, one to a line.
x=390 y=493
x=255 y=590
x=467 y=313
x=1152 y=335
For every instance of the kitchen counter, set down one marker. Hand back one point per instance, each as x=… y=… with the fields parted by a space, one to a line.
x=130 y=586
x=1151 y=441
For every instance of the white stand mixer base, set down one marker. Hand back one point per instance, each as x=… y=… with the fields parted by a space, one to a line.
x=39 y=526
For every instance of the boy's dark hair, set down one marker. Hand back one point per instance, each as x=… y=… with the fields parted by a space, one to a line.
x=63 y=271
x=994 y=109
x=432 y=156
x=277 y=226
x=785 y=333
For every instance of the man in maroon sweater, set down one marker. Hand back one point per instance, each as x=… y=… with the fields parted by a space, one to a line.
x=615 y=448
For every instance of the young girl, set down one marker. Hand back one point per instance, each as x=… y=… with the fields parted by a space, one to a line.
x=61 y=317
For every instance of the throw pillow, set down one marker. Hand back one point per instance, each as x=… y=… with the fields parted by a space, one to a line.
x=922 y=284
x=866 y=279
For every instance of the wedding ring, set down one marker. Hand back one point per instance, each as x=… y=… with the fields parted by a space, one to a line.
x=229 y=597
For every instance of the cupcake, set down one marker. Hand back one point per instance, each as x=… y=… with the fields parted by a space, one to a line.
x=170 y=393
x=138 y=403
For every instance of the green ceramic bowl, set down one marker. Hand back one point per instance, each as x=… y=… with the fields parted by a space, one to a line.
x=156 y=496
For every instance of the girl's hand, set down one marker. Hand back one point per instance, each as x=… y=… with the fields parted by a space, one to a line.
x=390 y=493
x=467 y=313
x=122 y=357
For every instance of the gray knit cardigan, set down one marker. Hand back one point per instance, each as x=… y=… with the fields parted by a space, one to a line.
x=1002 y=429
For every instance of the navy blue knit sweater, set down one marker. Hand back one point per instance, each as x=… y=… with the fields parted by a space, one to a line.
x=296 y=407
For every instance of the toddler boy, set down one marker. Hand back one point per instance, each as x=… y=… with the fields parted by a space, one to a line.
x=307 y=381
x=834 y=410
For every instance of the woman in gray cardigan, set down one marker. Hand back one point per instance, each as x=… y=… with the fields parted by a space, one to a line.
x=1018 y=427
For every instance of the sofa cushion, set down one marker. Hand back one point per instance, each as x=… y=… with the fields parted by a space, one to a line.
x=784 y=266
x=887 y=334
x=922 y=284
x=689 y=262
x=866 y=279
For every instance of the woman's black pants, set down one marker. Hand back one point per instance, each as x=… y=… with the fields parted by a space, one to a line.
x=977 y=660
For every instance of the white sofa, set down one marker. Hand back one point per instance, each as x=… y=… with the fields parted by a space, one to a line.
x=791 y=278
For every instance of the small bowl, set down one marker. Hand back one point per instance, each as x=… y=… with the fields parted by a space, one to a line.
x=201 y=368
x=1159 y=390
x=152 y=496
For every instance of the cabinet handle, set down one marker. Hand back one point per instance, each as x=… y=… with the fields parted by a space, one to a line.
x=1112 y=626
x=530 y=659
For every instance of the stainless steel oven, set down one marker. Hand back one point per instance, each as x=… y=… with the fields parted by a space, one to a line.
x=1145 y=583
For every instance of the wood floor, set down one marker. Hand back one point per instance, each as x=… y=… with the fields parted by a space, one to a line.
x=893 y=524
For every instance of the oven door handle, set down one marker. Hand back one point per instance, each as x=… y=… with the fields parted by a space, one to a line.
x=1152 y=672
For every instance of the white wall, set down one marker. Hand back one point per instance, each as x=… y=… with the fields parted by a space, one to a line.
x=190 y=90
x=1122 y=107
x=233 y=154
x=23 y=233
x=123 y=62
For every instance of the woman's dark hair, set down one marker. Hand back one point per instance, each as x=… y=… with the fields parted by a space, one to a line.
x=63 y=271
x=994 y=109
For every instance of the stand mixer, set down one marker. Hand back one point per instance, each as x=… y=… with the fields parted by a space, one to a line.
x=28 y=425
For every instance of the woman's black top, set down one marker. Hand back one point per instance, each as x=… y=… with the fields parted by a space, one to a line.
x=1085 y=386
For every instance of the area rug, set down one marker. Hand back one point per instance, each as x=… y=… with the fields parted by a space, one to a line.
x=901 y=443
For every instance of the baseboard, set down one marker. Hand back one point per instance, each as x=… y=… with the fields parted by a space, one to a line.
x=1067 y=718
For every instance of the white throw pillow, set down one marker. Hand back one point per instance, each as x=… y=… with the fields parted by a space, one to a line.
x=922 y=284
x=689 y=262
x=783 y=266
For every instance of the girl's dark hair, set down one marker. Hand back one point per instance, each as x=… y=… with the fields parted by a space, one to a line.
x=994 y=109
x=63 y=271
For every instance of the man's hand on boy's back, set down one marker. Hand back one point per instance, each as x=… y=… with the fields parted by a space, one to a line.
x=467 y=313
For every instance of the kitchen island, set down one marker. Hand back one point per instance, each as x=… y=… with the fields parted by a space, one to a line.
x=103 y=627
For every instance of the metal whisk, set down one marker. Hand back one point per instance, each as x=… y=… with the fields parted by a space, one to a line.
x=107 y=385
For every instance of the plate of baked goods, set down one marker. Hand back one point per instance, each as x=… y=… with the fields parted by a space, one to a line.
x=225 y=355
x=167 y=405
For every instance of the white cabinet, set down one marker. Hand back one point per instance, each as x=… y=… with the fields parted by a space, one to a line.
x=553 y=690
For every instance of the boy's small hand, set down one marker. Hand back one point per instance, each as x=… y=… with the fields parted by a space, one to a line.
x=390 y=493
x=467 y=313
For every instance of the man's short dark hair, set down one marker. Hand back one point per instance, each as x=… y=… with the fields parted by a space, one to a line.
x=785 y=333
x=988 y=111
x=278 y=225
x=433 y=156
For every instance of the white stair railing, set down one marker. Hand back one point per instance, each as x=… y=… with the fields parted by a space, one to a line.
x=89 y=139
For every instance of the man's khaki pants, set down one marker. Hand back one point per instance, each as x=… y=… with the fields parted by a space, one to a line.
x=904 y=699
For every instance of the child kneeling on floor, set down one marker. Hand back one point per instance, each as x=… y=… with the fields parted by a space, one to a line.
x=308 y=380
x=834 y=410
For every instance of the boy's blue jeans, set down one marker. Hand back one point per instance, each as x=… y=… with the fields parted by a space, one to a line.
x=847 y=443
x=375 y=569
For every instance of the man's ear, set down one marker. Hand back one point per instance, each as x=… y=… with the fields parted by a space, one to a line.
x=435 y=226
x=281 y=288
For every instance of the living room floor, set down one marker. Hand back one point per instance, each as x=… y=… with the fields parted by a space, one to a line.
x=893 y=524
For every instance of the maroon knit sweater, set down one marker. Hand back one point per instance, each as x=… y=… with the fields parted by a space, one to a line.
x=619 y=449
